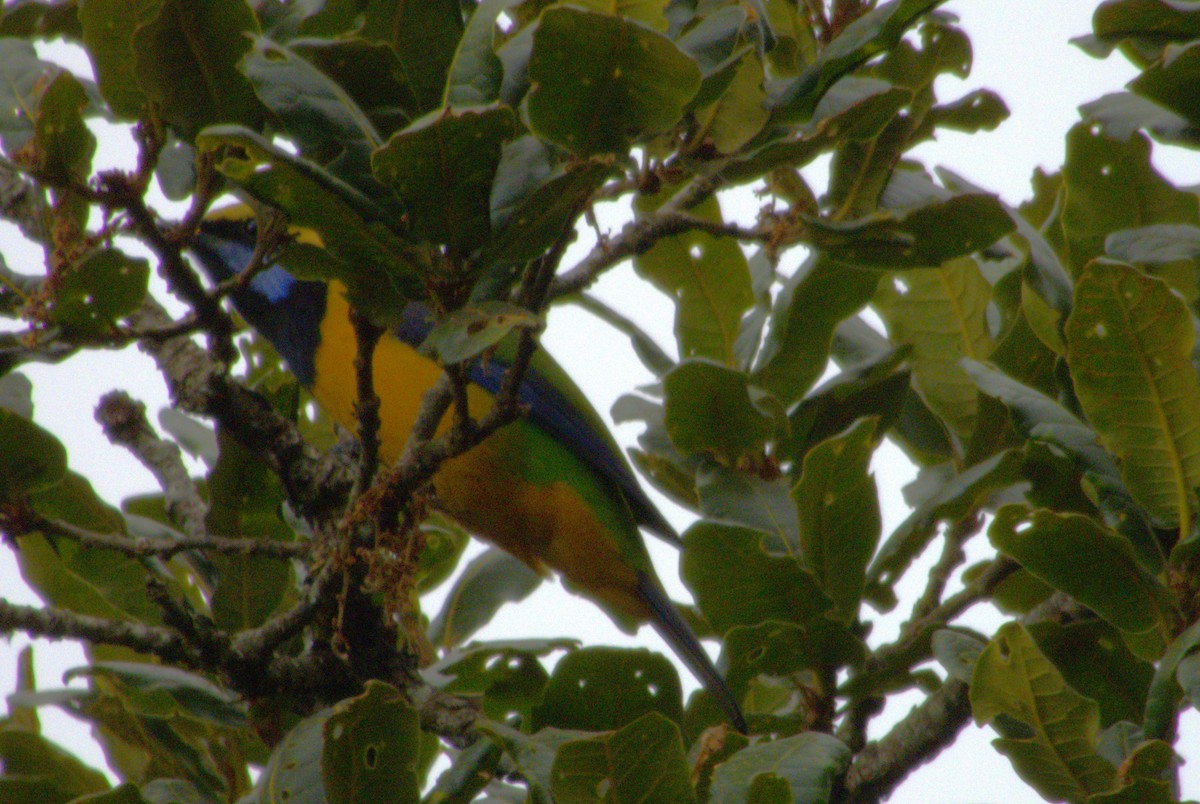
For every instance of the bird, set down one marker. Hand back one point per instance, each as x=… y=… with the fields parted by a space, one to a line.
x=552 y=488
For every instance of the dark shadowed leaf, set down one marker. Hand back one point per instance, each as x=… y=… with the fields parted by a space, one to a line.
x=601 y=689
x=737 y=582
x=601 y=82
x=443 y=166
x=371 y=746
x=709 y=408
x=424 y=36
x=186 y=60
x=644 y=761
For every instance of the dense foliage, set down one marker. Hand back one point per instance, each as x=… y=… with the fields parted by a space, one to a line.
x=1038 y=365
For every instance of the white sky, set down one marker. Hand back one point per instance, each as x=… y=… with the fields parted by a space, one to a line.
x=1021 y=51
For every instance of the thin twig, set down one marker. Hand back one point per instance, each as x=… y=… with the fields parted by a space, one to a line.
x=144 y=547
x=366 y=408
x=639 y=236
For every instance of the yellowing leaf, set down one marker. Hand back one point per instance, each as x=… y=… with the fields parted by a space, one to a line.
x=941 y=312
x=1055 y=752
x=1128 y=345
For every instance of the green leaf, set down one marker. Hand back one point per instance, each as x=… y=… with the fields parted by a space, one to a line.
x=838 y=506
x=65 y=144
x=245 y=501
x=1095 y=662
x=48 y=19
x=942 y=313
x=31 y=459
x=709 y=408
x=647 y=12
x=1167 y=81
x=381 y=270
x=108 y=29
x=812 y=302
x=854 y=109
x=600 y=82
x=23 y=79
x=746 y=499
x=926 y=236
x=1162 y=700
x=707 y=277
x=186 y=61
x=808 y=762
x=476 y=72
x=1111 y=185
x=370 y=750
x=507 y=676
x=1056 y=751
x=103 y=288
x=470 y=331
x=533 y=754
x=424 y=36
x=469 y=773
x=736 y=582
x=490 y=580
x=1039 y=417
x=780 y=649
x=1128 y=345
x=954 y=499
x=370 y=73
x=534 y=202
x=163 y=692
x=37 y=770
x=873 y=33
x=318 y=115
x=738 y=114
x=102 y=583
x=873 y=387
x=1081 y=557
x=443 y=166
x=642 y=762
x=445 y=542
x=294 y=771
x=1151 y=20
x=602 y=689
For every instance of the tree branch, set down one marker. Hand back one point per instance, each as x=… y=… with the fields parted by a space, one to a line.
x=124 y=423
x=54 y=623
x=912 y=742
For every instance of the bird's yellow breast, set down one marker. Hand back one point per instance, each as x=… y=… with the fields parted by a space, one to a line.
x=520 y=488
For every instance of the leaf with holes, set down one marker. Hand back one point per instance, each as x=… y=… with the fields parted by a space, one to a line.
x=1086 y=560
x=1052 y=743
x=1129 y=341
x=642 y=762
